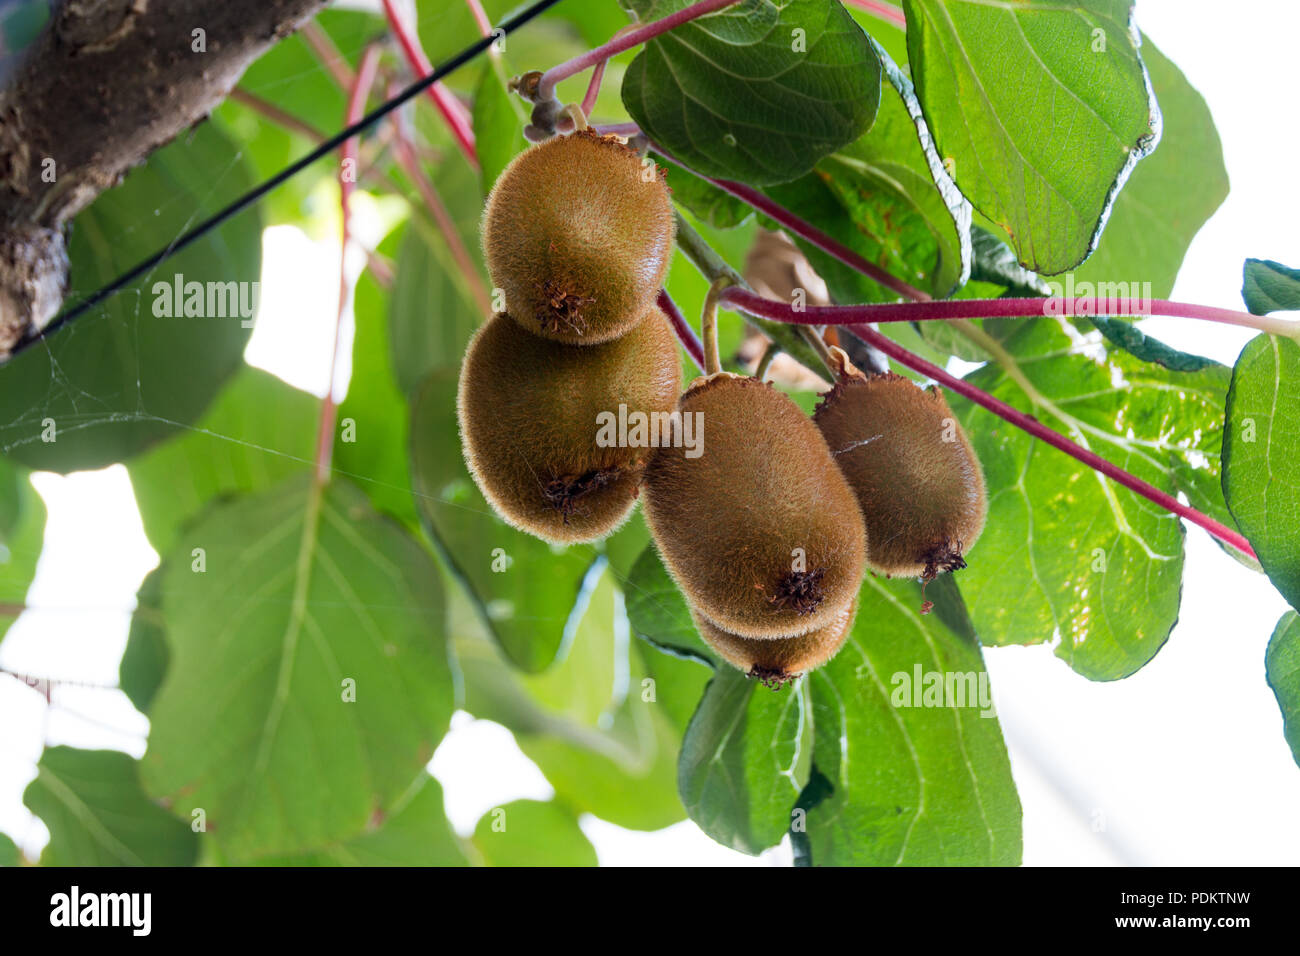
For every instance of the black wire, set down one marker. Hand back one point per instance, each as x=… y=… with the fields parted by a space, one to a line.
x=257 y=192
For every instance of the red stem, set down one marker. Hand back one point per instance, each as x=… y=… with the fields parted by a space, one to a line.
x=1054 y=438
x=593 y=88
x=949 y=309
x=361 y=84
x=625 y=40
x=690 y=341
x=451 y=109
x=884 y=11
x=480 y=17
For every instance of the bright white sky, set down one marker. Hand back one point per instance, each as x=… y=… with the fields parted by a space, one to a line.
x=1182 y=764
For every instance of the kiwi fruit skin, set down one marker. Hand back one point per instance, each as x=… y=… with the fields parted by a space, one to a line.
x=528 y=411
x=917 y=478
x=728 y=522
x=776 y=661
x=578 y=238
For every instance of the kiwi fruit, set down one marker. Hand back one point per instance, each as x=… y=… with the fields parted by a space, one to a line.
x=760 y=529
x=529 y=412
x=915 y=474
x=775 y=661
x=578 y=238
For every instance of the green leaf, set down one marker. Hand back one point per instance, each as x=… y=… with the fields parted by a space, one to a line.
x=532 y=833
x=1067 y=555
x=97 y=814
x=308 y=681
x=1043 y=110
x=745 y=760
x=236 y=448
x=1137 y=343
x=996 y=263
x=121 y=378
x=499 y=119
x=377 y=456
x=144 y=662
x=415 y=832
x=1268 y=286
x=1171 y=194
x=9 y=853
x=432 y=312
x=1261 y=445
x=658 y=613
x=757 y=92
x=887 y=197
x=523 y=588
x=22 y=535
x=1282 y=666
x=901 y=784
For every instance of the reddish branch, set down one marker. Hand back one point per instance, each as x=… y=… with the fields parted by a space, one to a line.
x=884 y=11
x=685 y=334
x=623 y=40
x=451 y=109
x=361 y=84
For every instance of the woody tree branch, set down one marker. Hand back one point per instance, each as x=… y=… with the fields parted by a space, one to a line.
x=109 y=82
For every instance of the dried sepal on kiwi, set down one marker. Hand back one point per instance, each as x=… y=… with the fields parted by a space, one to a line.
x=578 y=234
x=916 y=477
x=777 y=661
x=529 y=412
x=760 y=531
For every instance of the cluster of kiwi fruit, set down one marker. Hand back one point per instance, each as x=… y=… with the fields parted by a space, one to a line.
x=769 y=526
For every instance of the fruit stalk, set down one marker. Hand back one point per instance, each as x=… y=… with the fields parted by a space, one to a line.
x=685 y=334
x=622 y=41
x=709 y=325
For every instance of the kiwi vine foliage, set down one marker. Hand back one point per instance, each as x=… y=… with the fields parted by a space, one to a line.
x=398 y=576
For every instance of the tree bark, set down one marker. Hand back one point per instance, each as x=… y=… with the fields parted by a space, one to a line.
x=108 y=82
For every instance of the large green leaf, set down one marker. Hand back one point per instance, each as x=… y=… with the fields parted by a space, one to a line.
x=1043 y=109
x=22 y=534
x=415 y=832
x=308 y=680
x=888 y=197
x=745 y=759
x=1068 y=555
x=524 y=588
x=1269 y=286
x=1261 y=445
x=532 y=833
x=756 y=92
x=1282 y=666
x=97 y=815
x=122 y=377
x=236 y=448
x=904 y=777
x=1170 y=195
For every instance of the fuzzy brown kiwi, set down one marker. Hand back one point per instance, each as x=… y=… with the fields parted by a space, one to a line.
x=913 y=469
x=529 y=410
x=775 y=661
x=760 y=530
x=578 y=237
